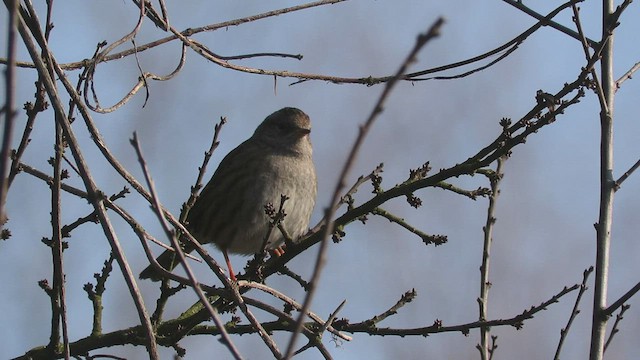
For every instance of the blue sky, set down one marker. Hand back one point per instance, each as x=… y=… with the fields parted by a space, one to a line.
x=544 y=236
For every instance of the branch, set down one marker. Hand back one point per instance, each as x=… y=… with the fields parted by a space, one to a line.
x=406 y=298
x=485 y=349
x=622 y=300
x=614 y=328
x=437 y=327
x=574 y=312
x=426 y=238
x=8 y=109
x=423 y=39
x=627 y=75
x=92 y=190
x=626 y=175
x=195 y=189
x=520 y=5
x=226 y=340
x=607 y=185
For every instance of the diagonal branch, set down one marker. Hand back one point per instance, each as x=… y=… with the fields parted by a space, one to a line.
x=423 y=39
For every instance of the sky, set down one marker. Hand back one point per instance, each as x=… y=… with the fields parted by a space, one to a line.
x=544 y=236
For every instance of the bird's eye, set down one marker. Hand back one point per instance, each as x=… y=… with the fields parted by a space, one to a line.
x=283 y=127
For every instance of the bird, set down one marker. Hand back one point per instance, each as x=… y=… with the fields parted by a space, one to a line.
x=230 y=211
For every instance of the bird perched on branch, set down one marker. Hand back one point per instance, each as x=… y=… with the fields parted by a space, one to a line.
x=230 y=212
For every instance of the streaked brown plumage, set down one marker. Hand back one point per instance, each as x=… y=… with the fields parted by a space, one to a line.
x=276 y=160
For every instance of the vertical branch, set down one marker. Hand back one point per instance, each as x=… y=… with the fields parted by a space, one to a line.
x=94 y=195
x=9 y=111
x=485 y=284
x=58 y=296
x=59 y=311
x=607 y=188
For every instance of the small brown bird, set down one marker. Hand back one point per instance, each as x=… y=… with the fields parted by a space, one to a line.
x=276 y=160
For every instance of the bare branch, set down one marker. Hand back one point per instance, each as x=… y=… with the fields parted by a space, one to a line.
x=574 y=312
x=423 y=39
x=516 y=321
x=521 y=6
x=426 y=238
x=8 y=109
x=226 y=340
x=626 y=175
x=94 y=193
x=627 y=75
x=614 y=328
x=622 y=300
x=485 y=349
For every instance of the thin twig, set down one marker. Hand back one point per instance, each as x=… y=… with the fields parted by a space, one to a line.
x=622 y=300
x=627 y=75
x=91 y=69
x=9 y=108
x=428 y=239
x=521 y=6
x=626 y=175
x=226 y=340
x=515 y=321
x=94 y=293
x=574 y=312
x=82 y=194
x=587 y=53
x=406 y=298
x=614 y=328
x=141 y=83
x=423 y=39
x=59 y=311
x=288 y=300
x=485 y=284
x=195 y=189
